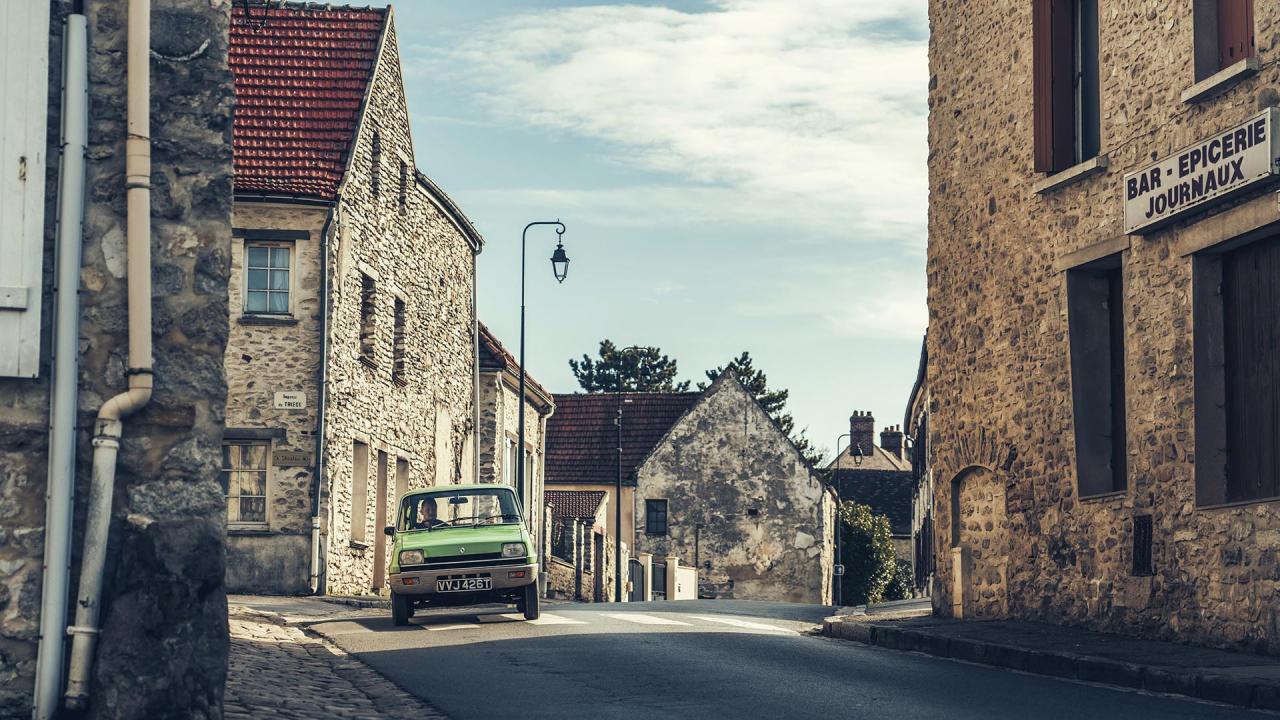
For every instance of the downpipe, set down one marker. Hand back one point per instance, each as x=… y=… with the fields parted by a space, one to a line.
x=110 y=426
x=60 y=489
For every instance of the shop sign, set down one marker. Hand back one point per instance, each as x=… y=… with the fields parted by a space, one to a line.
x=1198 y=175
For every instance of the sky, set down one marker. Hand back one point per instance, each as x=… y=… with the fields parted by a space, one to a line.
x=733 y=175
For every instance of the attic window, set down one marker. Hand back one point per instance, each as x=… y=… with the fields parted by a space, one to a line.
x=403 y=199
x=753 y=512
x=375 y=167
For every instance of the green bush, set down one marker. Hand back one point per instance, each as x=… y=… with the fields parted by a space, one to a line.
x=867 y=554
x=903 y=581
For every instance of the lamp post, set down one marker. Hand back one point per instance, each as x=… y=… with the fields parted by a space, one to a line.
x=838 y=589
x=617 y=505
x=560 y=268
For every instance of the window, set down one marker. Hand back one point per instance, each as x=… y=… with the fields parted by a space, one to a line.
x=1224 y=34
x=1095 y=308
x=403 y=199
x=1237 y=383
x=266 y=278
x=1065 y=73
x=655 y=517
x=244 y=481
x=368 y=326
x=359 y=491
x=398 y=344
x=1142 y=545
x=375 y=166
x=509 y=463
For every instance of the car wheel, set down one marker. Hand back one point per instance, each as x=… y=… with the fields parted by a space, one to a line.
x=401 y=609
x=531 y=608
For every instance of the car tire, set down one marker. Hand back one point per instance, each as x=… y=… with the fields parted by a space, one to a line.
x=532 y=609
x=401 y=609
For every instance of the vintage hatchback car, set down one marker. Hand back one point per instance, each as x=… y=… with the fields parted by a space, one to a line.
x=461 y=545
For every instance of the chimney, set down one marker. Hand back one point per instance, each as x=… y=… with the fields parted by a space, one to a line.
x=891 y=441
x=862 y=432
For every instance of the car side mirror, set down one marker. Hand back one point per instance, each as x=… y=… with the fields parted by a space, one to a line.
x=390 y=530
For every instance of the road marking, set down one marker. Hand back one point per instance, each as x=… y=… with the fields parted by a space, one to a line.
x=437 y=628
x=546 y=619
x=735 y=622
x=640 y=619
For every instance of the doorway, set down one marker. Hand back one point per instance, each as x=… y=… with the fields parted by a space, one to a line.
x=380 y=522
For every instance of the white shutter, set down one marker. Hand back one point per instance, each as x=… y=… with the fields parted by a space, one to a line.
x=24 y=86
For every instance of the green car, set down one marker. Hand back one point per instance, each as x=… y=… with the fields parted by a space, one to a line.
x=461 y=545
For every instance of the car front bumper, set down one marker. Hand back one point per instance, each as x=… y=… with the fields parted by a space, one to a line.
x=423 y=582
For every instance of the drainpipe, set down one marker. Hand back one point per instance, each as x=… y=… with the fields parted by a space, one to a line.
x=110 y=425
x=59 y=501
x=321 y=397
x=475 y=377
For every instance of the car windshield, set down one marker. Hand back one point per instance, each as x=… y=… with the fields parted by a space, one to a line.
x=458 y=508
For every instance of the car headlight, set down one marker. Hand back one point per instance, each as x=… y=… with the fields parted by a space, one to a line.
x=510 y=550
x=412 y=557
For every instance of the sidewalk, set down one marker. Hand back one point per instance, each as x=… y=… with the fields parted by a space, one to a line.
x=278 y=671
x=1218 y=675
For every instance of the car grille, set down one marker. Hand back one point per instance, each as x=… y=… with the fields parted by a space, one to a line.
x=465 y=560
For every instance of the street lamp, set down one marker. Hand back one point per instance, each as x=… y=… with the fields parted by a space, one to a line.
x=617 y=505
x=560 y=268
x=838 y=589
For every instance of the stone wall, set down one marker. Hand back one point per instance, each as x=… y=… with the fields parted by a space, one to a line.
x=766 y=520
x=163 y=648
x=1001 y=418
x=499 y=424
x=419 y=254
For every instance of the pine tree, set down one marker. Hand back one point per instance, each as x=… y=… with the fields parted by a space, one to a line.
x=641 y=369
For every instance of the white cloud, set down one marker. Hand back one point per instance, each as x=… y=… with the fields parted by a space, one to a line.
x=808 y=111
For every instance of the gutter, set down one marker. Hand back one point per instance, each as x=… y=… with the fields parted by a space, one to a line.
x=60 y=489
x=110 y=424
x=316 y=583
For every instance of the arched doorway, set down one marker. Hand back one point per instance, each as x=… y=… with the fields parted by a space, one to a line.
x=979 y=545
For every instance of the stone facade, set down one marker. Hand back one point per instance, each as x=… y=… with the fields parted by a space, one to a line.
x=163 y=646
x=379 y=341
x=741 y=502
x=1014 y=538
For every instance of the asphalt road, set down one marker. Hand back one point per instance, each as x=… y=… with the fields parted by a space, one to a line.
x=705 y=659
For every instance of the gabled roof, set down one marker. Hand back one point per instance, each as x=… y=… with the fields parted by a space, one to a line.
x=877 y=459
x=301 y=72
x=889 y=493
x=496 y=358
x=574 y=503
x=582 y=439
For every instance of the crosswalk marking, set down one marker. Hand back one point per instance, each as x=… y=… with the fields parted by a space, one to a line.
x=736 y=622
x=643 y=619
x=546 y=619
x=438 y=628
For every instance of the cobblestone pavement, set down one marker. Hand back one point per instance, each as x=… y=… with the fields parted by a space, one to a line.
x=278 y=671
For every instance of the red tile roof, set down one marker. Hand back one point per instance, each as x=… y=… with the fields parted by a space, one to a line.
x=574 y=503
x=582 y=439
x=301 y=71
x=496 y=358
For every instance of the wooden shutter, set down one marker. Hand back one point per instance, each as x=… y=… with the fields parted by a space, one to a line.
x=1053 y=84
x=1235 y=31
x=1251 y=339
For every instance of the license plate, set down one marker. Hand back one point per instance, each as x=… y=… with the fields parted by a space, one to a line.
x=463 y=584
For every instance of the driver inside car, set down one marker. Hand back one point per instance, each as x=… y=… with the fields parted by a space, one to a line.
x=426 y=517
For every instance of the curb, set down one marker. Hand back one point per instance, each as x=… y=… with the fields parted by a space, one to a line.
x=1198 y=683
x=356 y=602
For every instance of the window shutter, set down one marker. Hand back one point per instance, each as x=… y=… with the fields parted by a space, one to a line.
x=1235 y=31
x=1054 y=84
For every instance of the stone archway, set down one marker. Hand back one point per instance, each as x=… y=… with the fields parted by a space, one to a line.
x=979 y=545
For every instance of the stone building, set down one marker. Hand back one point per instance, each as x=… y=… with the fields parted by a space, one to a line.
x=1103 y=273
x=916 y=418
x=726 y=491
x=71 y=249
x=499 y=395
x=877 y=475
x=351 y=357
x=582 y=445
x=581 y=553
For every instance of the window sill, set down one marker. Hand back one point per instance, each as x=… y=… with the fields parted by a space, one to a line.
x=1221 y=80
x=248 y=529
x=399 y=381
x=267 y=320
x=357 y=545
x=368 y=363
x=1073 y=174
x=1104 y=497
x=1238 y=504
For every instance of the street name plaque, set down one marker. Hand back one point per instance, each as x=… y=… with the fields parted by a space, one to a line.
x=1196 y=176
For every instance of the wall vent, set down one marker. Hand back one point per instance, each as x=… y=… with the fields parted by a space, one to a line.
x=1142 y=545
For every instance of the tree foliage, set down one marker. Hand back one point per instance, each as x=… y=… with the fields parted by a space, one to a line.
x=903 y=582
x=867 y=554
x=642 y=369
x=773 y=401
